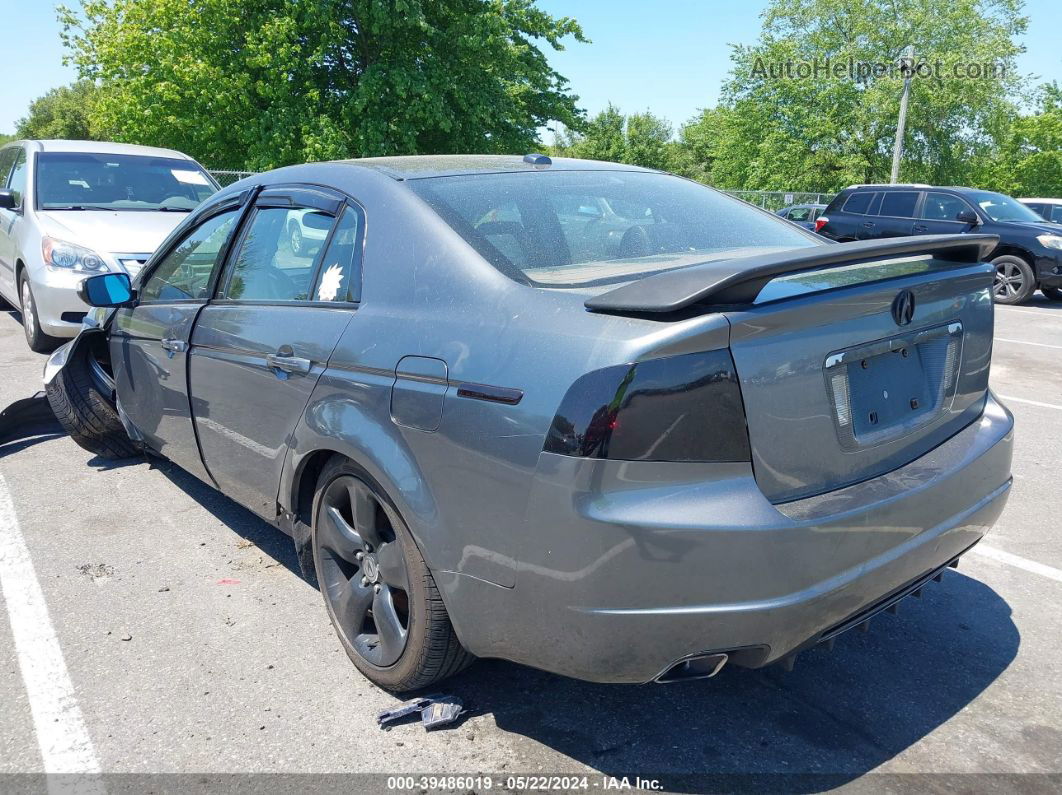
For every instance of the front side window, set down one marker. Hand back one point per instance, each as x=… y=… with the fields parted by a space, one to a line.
x=339 y=278
x=278 y=255
x=587 y=228
x=91 y=181
x=185 y=273
x=942 y=207
x=1055 y=213
x=999 y=207
x=17 y=185
x=7 y=161
x=899 y=203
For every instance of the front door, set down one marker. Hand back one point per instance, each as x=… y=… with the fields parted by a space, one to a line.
x=939 y=215
x=9 y=219
x=284 y=299
x=149 y=341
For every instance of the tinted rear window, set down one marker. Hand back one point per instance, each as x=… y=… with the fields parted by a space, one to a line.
x=858 y=202
x=899 y=204
x=577 y=228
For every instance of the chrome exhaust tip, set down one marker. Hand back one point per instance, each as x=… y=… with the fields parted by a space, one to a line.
x=699 y=666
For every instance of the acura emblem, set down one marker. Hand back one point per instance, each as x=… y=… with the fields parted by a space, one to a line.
x=903 y=307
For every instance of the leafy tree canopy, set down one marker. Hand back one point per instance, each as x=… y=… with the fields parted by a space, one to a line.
x=63 y=112
x=274 y=82
x=640 y=139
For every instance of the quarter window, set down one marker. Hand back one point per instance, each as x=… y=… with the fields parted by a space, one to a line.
x=18 y=176
x=278 y=255
x=186 y=271
x=942 y=207
x=340 y=274
x=899 y=204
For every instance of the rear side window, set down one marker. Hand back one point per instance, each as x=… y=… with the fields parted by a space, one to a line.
x=340 y=273
x=942 y=207
x=800 y=214
x=277 y=256
x=185 y=273
x=572 y=228
x=858 y=203
x=899 y=204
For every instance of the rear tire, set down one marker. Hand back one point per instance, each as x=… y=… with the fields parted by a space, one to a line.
x=38 y=341
x=77 y=399
x=295 y=239
x=1014 y=281
x=1052 y=293
x=395 y=583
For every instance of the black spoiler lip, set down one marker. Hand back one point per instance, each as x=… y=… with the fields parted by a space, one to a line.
x=739 y=280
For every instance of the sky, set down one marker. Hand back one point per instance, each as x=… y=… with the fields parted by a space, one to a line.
x=668 y=56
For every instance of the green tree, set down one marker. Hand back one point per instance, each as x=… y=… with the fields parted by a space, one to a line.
x=4 y=138
x=271 y=82
x=1028 y=159
x=640 y=139
x=785 y=129
x=63 y=112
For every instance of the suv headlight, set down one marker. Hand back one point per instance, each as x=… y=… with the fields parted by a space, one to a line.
x=60 y=254
x=1050 y=241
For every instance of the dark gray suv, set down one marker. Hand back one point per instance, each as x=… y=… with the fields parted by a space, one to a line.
x=596 y=419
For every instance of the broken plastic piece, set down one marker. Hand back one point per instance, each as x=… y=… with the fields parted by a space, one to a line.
x=441 y=712
x=402 y=710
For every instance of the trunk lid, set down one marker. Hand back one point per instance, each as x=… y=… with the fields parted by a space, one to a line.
x=852 y=372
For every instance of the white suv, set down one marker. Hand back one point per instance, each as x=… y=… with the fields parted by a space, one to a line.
x=73 y=208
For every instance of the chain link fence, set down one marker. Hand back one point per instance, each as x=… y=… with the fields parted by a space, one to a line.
x=226 y=178
x=777 y=199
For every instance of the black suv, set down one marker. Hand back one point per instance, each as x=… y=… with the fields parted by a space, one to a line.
x=1029 y=254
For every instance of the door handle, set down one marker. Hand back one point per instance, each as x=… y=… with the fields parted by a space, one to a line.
x=174 y=345
x=869 y=224
x=921 y=228
x=288 y=364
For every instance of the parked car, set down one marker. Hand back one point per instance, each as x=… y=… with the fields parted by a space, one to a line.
x=68 y=208
x=1048 y=209
x=712 y=438
x=303 y=237
x=1029 y=253
x=803 y=214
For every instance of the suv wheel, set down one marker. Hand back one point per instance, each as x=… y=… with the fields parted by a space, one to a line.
x=31 y=325
x=1053 y=293
x=381 y=597
x=1014 y=281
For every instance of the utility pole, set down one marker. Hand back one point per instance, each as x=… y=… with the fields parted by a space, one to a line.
x=897 y=147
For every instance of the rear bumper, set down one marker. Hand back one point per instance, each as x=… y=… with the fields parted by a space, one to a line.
x=628 y=567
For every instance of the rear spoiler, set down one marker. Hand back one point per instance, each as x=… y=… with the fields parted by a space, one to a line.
x=739 y=280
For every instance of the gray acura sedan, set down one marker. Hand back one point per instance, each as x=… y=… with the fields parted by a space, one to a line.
x=595 y=419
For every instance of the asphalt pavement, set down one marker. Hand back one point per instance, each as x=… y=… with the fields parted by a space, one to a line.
x=165 y=630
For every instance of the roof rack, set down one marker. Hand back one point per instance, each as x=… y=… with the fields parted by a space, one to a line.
x=889 y=185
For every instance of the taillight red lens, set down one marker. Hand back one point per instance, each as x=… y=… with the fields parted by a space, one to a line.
x=678 y=408
x=820 y=222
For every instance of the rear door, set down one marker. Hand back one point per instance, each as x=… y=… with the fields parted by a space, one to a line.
x=871 y=367
x=261 y=344
x=938 y=215
x=149 y=342
x=896 y=213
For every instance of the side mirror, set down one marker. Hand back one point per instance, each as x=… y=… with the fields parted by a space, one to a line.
x=8 y=200
x=107 y=290
x=967 y=217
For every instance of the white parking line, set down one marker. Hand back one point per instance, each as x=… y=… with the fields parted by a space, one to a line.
x=1019 y=562
x=1028 y=310
x=61 y=734
x=1032 y=402
x=1024 y=342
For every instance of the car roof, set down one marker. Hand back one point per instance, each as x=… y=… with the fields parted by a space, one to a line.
x=1042 y=200
x=426 y=166
x=103 y=148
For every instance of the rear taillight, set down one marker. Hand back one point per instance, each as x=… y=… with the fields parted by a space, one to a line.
x=679 y=408
x=820 y=222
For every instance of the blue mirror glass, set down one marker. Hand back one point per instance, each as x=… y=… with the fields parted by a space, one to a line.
x=107 y=289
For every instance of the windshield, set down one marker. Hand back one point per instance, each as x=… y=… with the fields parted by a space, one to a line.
x=90 y=181
x=1003 y=208
x=581 y=228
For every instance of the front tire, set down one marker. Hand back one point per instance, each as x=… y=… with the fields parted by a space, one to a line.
x=1052 y=293
x=380 y=596
x=1014 y=281
x=38 y=341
